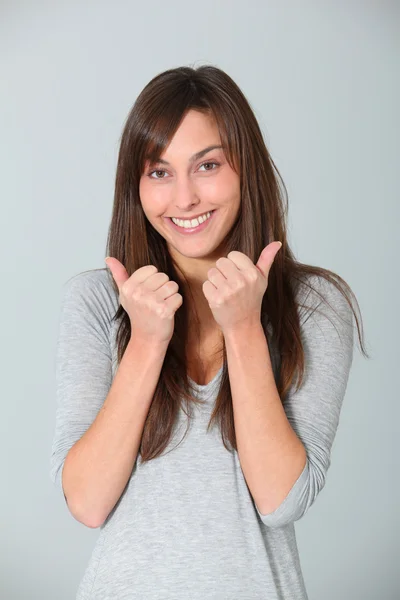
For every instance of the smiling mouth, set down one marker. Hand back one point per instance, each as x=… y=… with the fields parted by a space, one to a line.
x=188 y=223
x=186 y=226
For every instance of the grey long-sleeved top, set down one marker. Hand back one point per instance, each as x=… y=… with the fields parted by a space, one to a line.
x=186 y=526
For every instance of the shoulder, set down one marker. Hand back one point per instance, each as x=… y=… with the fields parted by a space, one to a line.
x=324 y=311
x=316 y=293
x=93 y=290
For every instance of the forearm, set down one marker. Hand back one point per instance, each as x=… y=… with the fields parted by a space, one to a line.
x=98 y=466
x=271 y=455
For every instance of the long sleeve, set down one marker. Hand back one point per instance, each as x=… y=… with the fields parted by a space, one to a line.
x=83 y=366
x=314 y=410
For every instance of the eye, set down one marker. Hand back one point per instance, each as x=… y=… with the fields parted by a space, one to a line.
x=209 y=162
x=156 y=171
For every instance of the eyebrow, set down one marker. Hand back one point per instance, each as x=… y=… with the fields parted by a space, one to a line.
x=192 y=159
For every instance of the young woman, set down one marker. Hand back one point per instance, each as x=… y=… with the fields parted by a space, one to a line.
x=200 y=376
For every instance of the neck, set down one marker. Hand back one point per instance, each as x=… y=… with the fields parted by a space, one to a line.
x=198 y=305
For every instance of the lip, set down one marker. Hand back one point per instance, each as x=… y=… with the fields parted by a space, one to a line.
x=193 y=216
x=191 y=230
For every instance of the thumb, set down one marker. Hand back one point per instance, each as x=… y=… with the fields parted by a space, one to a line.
x=117 y=269
x=267 y=257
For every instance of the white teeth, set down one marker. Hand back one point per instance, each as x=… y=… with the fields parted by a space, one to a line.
x=193 y=223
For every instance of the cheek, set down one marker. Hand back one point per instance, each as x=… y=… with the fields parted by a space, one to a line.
x=229 y=195
x=229 y=186
x=153 y=202
x=219 y=192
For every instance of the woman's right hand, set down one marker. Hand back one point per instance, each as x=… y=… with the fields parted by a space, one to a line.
x=149 y=298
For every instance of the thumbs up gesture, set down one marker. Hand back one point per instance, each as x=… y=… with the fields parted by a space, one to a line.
x=149 y=298
x=235 y=287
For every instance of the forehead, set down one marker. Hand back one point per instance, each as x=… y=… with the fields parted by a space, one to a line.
x=196 y=133
x=197 y=122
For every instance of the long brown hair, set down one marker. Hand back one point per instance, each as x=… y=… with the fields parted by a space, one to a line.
x=150 y=125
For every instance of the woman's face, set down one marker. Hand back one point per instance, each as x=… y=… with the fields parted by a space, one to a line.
x=185 y=186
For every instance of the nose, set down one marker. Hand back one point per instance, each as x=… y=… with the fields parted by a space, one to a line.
x=185 y=198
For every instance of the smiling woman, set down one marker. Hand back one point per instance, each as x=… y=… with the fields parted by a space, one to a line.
x=200 y=314
x=188 y=189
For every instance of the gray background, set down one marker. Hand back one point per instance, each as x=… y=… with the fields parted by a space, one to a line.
x=322 y=78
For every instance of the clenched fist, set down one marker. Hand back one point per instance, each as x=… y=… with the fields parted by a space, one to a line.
x=149 y=298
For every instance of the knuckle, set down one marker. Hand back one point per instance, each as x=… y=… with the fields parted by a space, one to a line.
x=137 y=293
x=160 y=309
x=253 y=276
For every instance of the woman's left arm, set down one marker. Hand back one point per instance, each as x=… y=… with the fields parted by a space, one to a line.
x=284 y=449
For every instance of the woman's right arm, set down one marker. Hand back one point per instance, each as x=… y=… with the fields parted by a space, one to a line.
x=99 y=464
x=99 y=421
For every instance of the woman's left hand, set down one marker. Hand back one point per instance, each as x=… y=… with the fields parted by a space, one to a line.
x=235 y=287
